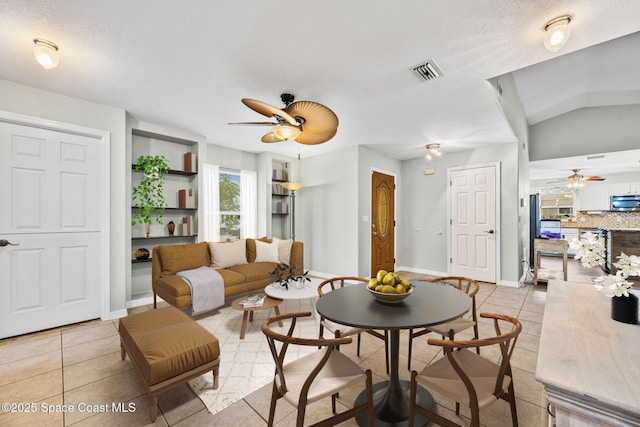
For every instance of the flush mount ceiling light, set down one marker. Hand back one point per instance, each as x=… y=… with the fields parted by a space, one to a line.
x=433 y=150
x=557 y=33
x=46 y=53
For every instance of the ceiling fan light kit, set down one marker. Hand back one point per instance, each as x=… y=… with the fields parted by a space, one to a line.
x=306 y=122
x=285 y=132
x=557 y=33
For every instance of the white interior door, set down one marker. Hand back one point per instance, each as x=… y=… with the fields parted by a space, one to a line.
x=473 y=223
x=52 y=211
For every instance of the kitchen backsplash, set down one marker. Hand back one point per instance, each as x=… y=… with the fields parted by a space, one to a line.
x=605 y=220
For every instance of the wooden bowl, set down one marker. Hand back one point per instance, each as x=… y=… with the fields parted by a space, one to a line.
x=390 y=298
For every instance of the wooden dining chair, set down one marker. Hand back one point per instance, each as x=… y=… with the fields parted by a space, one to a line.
x=315 y=376
x=339 y=330
x=468 y=378
x=451 y=328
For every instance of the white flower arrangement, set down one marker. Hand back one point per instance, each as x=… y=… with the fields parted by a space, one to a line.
x=590 y=250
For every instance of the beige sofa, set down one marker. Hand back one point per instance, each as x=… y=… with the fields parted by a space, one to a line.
x=239 y=269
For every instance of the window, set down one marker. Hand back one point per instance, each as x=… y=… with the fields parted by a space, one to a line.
x=229 y=204
x=229 y=191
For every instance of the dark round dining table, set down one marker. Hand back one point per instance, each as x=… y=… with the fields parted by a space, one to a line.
x=429 y=304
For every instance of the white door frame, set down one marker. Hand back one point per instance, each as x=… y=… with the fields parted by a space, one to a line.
x=497 y=208
x=105 y=142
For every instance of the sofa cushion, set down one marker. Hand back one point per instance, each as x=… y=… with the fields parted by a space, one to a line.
x=173 y=286
x=226 y=254
x=177 y=258
x=266 y=252
x=231 y=277
x=254 y=271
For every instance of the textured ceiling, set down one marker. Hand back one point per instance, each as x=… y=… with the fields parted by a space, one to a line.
x=187 y=64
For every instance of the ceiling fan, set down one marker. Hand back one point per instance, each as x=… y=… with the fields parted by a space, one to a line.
x=306 y=122
x=576 y=180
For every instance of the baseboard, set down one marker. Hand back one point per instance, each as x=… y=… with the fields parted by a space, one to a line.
x=510 y=284
x=421 y=271
x=140 y=301
x=117 y=314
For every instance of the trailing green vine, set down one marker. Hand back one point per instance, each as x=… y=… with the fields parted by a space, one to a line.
x=148 y=195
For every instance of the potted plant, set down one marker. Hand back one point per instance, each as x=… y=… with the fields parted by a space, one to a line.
x=591 y=253
x=284 y=274
x=148 y=196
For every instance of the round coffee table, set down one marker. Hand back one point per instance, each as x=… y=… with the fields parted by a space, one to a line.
x=296 y=291
x=248 y=310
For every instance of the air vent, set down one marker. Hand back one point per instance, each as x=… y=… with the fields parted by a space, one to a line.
x=428 y=71
x=598 y=156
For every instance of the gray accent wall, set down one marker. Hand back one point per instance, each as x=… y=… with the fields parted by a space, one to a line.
x=327 y=210
x=584 y=131
x=424 y=239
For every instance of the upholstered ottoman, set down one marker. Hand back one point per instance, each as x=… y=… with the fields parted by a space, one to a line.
x=167 y=348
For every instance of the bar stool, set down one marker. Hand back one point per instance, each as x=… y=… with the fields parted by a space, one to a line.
x=555 y=246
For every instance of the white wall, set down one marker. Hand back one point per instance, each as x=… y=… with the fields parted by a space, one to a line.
x=34 y=102
x=513 y=111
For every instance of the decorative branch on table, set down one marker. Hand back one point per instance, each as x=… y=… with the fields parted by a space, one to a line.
x=283 y=274
x=590 y=251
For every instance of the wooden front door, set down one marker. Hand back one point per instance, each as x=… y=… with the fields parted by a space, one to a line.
x=473 y=223
x=382 y=222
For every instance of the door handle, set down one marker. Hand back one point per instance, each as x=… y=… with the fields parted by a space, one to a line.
x=490 y=231
x=4 y=243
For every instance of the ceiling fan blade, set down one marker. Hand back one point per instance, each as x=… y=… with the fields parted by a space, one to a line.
x=268 y=110
x=318 y=119
x=310 y=138
x=271 y=137
x=253 y=123
x=594 y=178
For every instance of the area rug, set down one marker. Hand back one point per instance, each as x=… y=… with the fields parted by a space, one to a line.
x=247 y=365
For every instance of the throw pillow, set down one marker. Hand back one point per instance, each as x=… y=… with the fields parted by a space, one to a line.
x=284 y=250
x=266 y=252
x=228 y=254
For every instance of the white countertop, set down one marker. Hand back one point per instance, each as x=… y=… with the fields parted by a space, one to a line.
x=585 y=352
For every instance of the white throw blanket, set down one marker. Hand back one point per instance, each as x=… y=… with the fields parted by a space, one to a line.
x=207 y=289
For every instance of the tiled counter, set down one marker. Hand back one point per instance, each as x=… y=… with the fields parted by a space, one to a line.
x=605 y=219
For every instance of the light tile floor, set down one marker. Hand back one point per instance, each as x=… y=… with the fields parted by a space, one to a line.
x=81 y=364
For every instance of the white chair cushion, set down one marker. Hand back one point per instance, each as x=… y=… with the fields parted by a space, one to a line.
x=441 y=377
x=345 y=331
x=339 y=372
x=457 y=325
